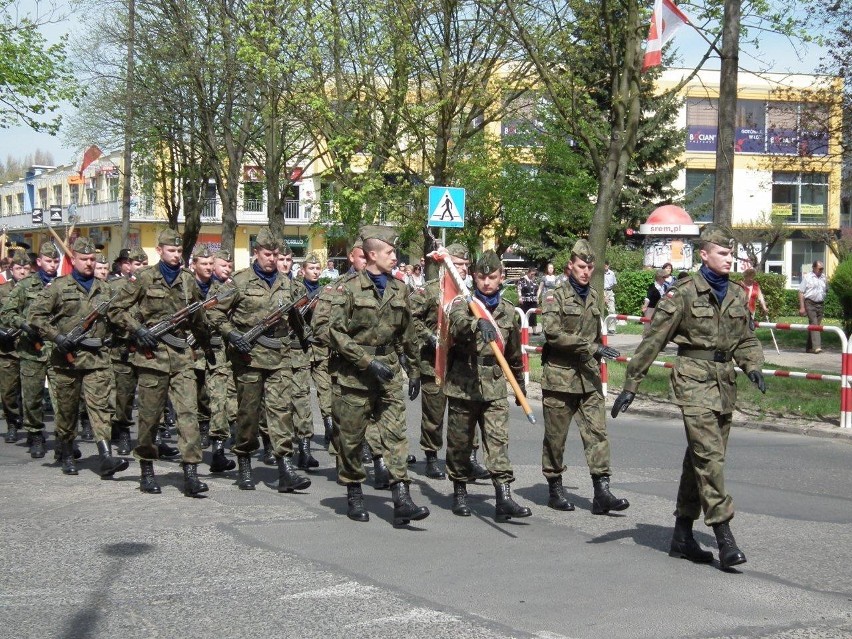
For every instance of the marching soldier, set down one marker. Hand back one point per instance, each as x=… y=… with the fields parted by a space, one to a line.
x=101 y=266
x=261 y=369
x=10 y=370
x=571 y=382
x=80 y=369
x=369 y=315
x=165 y=370
x=33 y=352
x=707 y=316
x=476 y=389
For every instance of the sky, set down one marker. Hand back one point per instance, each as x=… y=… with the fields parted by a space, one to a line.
x=776 y=54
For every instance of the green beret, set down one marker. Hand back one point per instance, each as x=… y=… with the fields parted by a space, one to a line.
x=169 y=237
x=202 y=250
x=387 y=234
x=312 y=258
x=21 y=258
x=137 y=254
x=101 y=258
x=716 y=234
x=84 y=246
x=583 y=250
x=358 y=243
x=48 y=249
x=458 y=251
x=265 y=239
x=285 y=249
x=224 y=255
x=487 y=263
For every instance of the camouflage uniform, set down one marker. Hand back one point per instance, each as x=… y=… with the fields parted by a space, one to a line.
x=220 y=385
x=300 y=413
x=10 y=370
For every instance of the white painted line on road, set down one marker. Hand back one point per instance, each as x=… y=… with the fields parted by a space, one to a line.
x=346 y=589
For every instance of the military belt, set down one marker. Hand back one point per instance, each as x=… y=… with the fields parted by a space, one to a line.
x=708 y=355
x=487 y=360
x=216 y=341
x=384 y=349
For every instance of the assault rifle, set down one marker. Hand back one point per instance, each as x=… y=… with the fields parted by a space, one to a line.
x=256 y=334
x=8 y=336
x=77 y=336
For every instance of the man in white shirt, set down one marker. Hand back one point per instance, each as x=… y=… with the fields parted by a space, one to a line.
x=330 y=272
x=812 y=293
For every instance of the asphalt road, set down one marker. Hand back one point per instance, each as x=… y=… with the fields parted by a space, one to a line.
x=84 y=557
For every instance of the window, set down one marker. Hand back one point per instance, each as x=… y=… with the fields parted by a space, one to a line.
x=522 y=121
x=700 y=189
x=702 y=112
x=800 y=198
x=252 y=196
x=75 y=193
x=42 y=198
x=57 y=194
x=750 y=127
x=805 y=252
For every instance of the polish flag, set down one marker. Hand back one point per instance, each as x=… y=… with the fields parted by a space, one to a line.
x=91 y=154
x=665 y=20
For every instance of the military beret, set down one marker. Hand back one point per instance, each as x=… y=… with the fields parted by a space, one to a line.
x=386 y=234
x=358 y=243
x=101 y=258
x=312 y=258
x=716 y=234
x=487 y=263
x=285 y=249
x=266 y=239
x=137 y=254
x=224 y=255
x=458 y=251
x=48 y=249
x=169 y=237
x=123 y=254
x=21 y=258
x=202 y=250
x=84 y=246
x=15 y=246
x=583 y=250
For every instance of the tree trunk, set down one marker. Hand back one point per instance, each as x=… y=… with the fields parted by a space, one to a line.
x=724 y=194
x=126 y=187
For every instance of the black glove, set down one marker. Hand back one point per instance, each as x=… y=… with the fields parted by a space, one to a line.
x=606 y=352
x=622 y=403
x=522 y=385
x=144 y=338
x=757 y=378
x=413 y=388
x=487 y=330
x=380 y=371
x=63 y=344
x=403 y=361
x=432 y=342
x=32 y=333
x=239 y=342
x=210 y=356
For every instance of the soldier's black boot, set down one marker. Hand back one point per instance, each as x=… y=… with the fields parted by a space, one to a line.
x=329 y=430
x=204 y=431
x=148 y=483
x=109 y=464
x=382 y=474
x=220 y=463
x=557 y=499
x=477 y=470
x=86 y=433
x=305 y=460
x=192 y=486
x=124 y=445
x=12 y=426
x=684 y=545
x=37 y=445
x=288 y=479
x=267 y=456
x=506 y=506
x=244 y=479
x=68 y=465
x=366 y=453
x=163 y=449
x=604 y=500
x=460 y=506
x=433 y=471
x=355 y=501
x=729 y=554
x=405 y=510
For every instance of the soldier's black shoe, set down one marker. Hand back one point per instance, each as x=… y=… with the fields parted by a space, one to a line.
x=244 y=479
x=604 y=500
x=75 y=450
x=684 y=545
x=410 y=459
x=12 y=427
x=37 y=445
x=192 y=486
x=86 y=433
x=366 y=453
x=382 y=474
x=355 y=501
x=220 y=463
x=109 y=464
x=460 y=506
x=405 y=510
x=167 y=452
x=124 y=446
x=68 y=465
x=267 y=456
x=305 y=460
x=204 y=431
x=729 y=554
x=148 y=483
x=433 y=471
x=329 y=430
x=557 y=499
x=507 y=508
x=477 y=470
x=288 y=479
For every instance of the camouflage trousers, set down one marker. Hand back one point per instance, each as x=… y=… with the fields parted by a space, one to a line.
x=126 y=380
x=223 y=401
x=202 y=395
x=300 y=414
x=371 y=435
x=10 y=388
x=702 y=478
x=70 y=385
x=433 y=405
x=263 y=391
x=354 y=410
x=492 y=418
x=155 y=387
x=33 y=374
x=322 y=382
x=590 y=412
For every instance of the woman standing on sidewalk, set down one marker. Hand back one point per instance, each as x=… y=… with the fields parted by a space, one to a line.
x=754 y=293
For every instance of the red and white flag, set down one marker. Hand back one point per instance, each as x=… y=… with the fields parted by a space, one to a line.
x=449 y=292
x=665 y=20
x=91 y=154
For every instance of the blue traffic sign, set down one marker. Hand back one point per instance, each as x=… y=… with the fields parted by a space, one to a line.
x=446 y=207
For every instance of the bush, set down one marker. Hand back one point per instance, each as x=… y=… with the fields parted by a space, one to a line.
x=510 y=294
x=623 y=259
x=774 y=292
x=840 y=287
x=631 y=289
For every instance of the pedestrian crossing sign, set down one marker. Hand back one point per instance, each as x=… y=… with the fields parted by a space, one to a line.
x=446 y=207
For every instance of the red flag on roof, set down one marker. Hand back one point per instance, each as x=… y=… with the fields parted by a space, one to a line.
x=91 y=154
x=665 y=20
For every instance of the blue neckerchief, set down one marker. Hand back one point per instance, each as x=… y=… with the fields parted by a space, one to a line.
x=169 y=273
x=582 y=291
x=311 y=286
x=719 y=283
x=213 y=278
x=45 y=278
x=204 y=286
x=82 y=280
x=490 y=301
x=269 y=278
x=380 y=281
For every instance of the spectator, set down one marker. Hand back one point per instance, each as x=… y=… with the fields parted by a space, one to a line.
x=753 y=293
x=549 y=282
x=670 y=280
x=812 y=292
x=654 y=295
x=330 y=271
x=566 y=271
x=416 y=279
x=527 y=295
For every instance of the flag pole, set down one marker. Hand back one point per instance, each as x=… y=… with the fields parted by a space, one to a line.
x=442 y=256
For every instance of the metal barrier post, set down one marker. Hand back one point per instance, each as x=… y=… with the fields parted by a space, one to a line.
x=525 y=341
